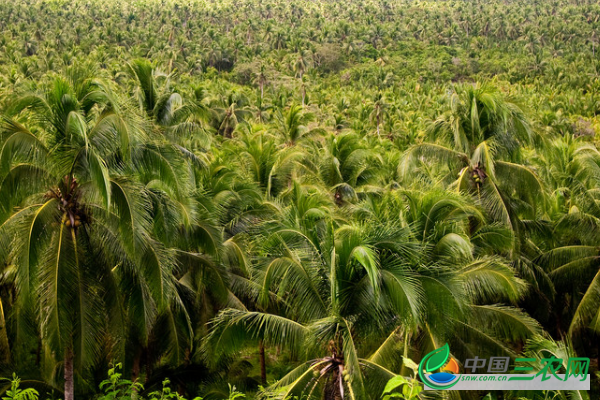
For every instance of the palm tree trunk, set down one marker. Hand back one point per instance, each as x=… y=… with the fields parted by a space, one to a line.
x=332 y=387
x=148 y=360
x=181 y=389
x=4 y=346
x=263 y=367
x=135 y=369
x=69 y=383
x=38 y=353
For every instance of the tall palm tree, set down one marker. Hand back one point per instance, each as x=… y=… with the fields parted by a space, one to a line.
x=379 y=109
x=74 y=222
x=261 y=79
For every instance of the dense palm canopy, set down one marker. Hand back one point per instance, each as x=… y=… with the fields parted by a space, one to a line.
x=298 y=198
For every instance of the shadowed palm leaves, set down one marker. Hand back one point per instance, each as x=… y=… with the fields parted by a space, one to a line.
x=576 y=268
x=572 y=169
x=572 y=260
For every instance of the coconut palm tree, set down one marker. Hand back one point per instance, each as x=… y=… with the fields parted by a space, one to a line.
x=328 y=286
x=479 y=138
x=260 y=78
x=379 y=110
x=74 y=223
x=347 y=166
x=165 y=106
x=293 y=124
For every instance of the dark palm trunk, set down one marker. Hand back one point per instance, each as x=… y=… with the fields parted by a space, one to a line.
x=181 y=389
x=135 y=369
x=148 y=366
x=332 y=390
x=38 y=353
x=263 y=367
x=69 y=383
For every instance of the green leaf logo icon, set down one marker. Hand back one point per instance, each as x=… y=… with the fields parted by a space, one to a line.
x=431 y=363
x=437 y=358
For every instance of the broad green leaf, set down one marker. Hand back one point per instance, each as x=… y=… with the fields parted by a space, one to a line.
x=410 y=364
x=394 y=383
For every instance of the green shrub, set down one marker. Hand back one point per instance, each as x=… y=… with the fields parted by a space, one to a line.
x=15 y=393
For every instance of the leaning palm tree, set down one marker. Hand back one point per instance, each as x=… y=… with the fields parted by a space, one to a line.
x=74 y=222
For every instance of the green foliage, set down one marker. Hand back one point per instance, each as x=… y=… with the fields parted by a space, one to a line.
x=117 y=388
x=165 y=394
x=400 y=387
x=16 y=393
x=233 y=394
x=300 y=196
